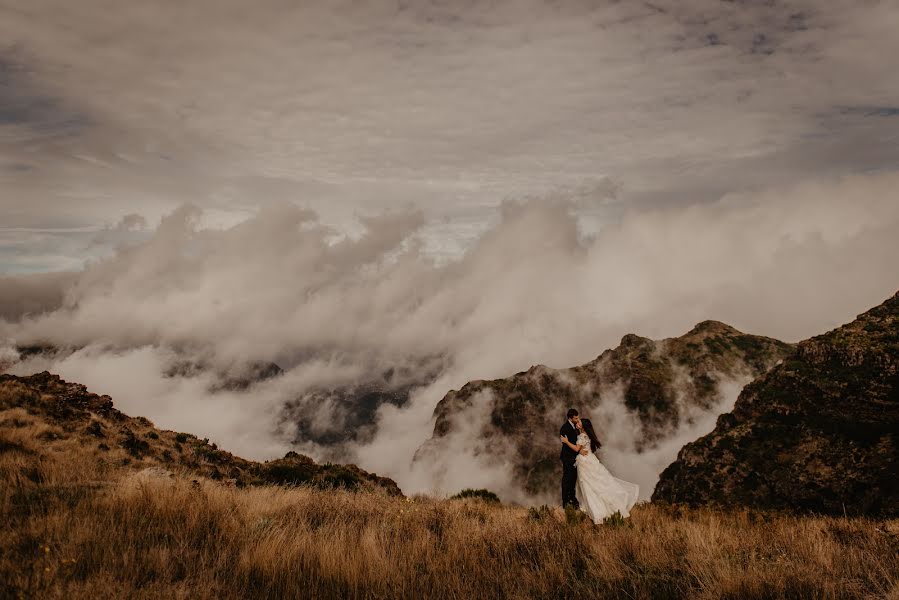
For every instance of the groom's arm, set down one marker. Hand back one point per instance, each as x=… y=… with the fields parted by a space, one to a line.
x=563 y=434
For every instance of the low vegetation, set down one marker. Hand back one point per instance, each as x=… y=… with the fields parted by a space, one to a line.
x=76 y=527
x=92 y=508
x=485 y=495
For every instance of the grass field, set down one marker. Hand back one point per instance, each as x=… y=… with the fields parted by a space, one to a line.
x=79 y=526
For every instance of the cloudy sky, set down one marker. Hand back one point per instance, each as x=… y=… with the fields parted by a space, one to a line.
x=111 y=109
x=460 y=189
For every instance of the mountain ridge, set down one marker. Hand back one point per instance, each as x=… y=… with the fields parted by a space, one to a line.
x=661 y=383
x=819 y=432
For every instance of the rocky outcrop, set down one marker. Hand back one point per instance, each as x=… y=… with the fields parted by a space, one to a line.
x=333 y=416
x=661 y=383
x=68 y=411
x=820 y=432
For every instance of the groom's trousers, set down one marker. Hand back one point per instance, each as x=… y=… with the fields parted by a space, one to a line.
x=569 y=480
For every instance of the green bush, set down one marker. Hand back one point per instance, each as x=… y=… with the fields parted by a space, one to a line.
x=540 y=513
x=574 y=516
x=336 y=476
x=481 y=494
x=614 y=520
x=288 y=473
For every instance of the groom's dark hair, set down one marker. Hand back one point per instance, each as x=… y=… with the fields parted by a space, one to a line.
x=572 y=413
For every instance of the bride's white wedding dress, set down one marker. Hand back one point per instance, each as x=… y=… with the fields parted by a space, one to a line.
x=600 y=493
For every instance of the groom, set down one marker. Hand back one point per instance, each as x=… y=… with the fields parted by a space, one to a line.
x=568 y=457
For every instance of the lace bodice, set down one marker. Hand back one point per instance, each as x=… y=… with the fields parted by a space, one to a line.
x=583 y=440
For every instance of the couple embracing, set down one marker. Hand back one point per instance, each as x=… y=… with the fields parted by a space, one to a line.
x=586 y=484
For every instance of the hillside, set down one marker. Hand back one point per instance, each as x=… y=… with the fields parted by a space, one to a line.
x=326 y=415
x=98 y=504
x=64 y=416
x=84 y=523
x=663 y=384
x=820 y=432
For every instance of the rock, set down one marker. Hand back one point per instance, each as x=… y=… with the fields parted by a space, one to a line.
x=247 y=376
x=819 y=432
x=332 y=417
x=154 y=473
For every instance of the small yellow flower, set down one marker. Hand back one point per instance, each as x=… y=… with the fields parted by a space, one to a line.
x=46 y=549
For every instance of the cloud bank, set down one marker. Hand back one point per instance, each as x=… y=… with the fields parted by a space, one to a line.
x=334 y=310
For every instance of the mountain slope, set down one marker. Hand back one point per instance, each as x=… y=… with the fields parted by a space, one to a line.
x=662 y=384
x=68 y=418
x=819 y=432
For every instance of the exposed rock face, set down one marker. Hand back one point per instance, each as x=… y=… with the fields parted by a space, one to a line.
x=662 y=384
x=68 y=411
x=335 y=417
x=819 y=432
x=251 y=374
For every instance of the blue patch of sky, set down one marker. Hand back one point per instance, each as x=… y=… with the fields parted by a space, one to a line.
x=870 y=111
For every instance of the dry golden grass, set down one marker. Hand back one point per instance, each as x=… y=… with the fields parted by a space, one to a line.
x=77 y=525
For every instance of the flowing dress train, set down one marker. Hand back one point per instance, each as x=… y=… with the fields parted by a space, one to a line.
x=599 y=492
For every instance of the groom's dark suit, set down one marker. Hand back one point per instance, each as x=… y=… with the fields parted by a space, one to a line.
x=569 y=471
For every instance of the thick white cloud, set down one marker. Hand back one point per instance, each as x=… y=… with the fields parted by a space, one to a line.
x=681 y=161
x=788 y=263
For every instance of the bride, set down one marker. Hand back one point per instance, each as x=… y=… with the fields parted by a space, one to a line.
x=599 y=493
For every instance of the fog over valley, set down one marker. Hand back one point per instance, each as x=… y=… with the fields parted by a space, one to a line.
x=298 y=228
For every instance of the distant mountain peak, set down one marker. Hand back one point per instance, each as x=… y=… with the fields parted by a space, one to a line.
x=632 y=340
x=714 y=328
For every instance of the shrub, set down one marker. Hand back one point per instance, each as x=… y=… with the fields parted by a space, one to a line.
x=574 y=516
x=135 y=447
x=614 y=520
x=336 y=476
x=540 y=513
x=481 y=494
x=287 y=473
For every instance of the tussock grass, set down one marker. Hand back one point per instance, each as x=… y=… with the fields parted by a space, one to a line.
x=77 y=525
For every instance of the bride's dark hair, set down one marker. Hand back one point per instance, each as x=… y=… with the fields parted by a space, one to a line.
x=588 y=429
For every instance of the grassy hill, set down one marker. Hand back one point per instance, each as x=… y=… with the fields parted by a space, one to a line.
x=81 y=521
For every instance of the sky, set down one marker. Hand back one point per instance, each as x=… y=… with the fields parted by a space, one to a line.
x=109 y=110
x=461 y=189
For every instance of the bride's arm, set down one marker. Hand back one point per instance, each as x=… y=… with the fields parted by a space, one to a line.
x=574 y=447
